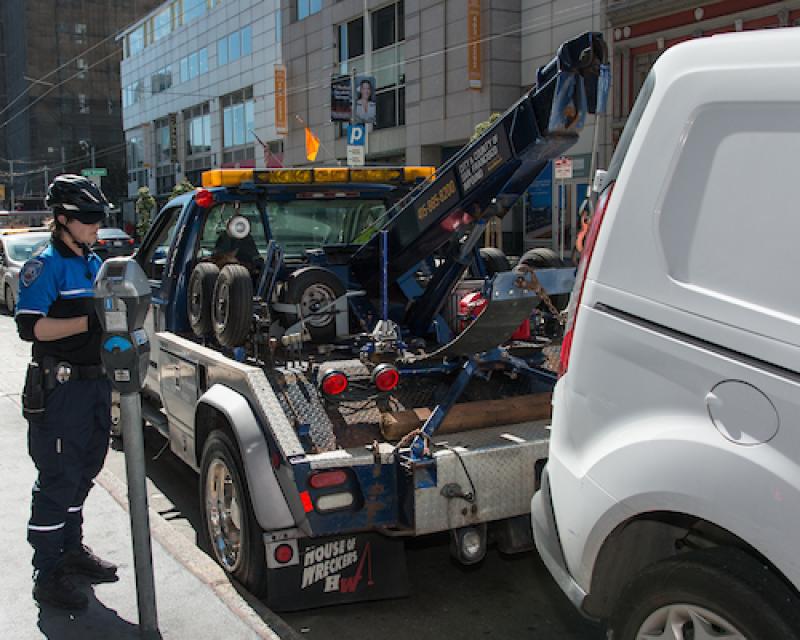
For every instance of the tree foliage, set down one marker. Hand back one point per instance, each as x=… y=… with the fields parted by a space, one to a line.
x=184 y=186
x=145 y=204
x=481 y=127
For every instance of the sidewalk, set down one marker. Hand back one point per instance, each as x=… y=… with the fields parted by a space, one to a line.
x=194 y=597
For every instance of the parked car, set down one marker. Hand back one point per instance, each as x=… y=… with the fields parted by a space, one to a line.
x=16 y=246
x=671 y=499
x=112 y=242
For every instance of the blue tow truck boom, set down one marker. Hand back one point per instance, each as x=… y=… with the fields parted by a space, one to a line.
x=316 y=331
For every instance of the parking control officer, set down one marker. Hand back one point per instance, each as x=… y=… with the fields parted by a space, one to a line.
x=67 y=397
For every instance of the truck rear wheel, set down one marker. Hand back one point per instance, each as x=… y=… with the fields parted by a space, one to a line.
x=494 y=260
x=229 y=524
x=232 y=307
x=313 y=289
x=201 y=292
x=703 y=594
x=544 y=258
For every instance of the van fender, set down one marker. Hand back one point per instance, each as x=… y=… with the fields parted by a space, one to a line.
x=269 y=504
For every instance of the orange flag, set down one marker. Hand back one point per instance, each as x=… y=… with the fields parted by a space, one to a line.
x=312 y=145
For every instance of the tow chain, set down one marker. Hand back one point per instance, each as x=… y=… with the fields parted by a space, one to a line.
x=536 y=286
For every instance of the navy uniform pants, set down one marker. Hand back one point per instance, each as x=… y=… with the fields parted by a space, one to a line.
x=68 y=445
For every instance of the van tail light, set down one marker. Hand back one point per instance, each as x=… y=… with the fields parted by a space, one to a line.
x=580 y=278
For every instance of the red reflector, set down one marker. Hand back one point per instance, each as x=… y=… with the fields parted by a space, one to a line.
x=275 y=459
x=130 y=241
x=327 y=479
x=305 y=498
x=385 y=377
x=204 y=198
x=333 y=383
x=284 y=553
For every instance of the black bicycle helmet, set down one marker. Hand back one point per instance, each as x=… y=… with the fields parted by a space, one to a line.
x=77 y=197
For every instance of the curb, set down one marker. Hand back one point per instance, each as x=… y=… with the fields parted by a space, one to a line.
x=262 y=620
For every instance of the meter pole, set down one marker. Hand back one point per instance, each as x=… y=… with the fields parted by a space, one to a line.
x=133 y=437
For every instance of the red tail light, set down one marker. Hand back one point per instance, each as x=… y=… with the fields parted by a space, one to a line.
x=580 y=278
x=333 y=383
x=385 y=377
x=325 y=479
x=102 y=242
x=204 y=198
x=130 y=240
x=284 y=553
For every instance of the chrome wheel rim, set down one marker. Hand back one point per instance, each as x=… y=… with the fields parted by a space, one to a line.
x=222 y=305
x=223 y=515
x=316 y=297
x=682 y=621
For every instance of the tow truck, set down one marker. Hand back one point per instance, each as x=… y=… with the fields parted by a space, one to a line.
x=346 y=368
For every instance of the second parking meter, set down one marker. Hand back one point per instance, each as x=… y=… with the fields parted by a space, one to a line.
x=122 y=299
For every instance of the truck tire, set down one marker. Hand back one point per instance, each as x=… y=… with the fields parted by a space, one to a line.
x=723 y=590
x=232 y=306
x=495 y=260
x=544 y=258
x=314 y=288
x=198 y=300
x=229 y=527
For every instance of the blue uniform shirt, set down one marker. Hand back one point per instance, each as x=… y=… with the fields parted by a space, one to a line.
x=57 y=283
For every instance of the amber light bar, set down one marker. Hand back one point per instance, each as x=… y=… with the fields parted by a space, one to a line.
x=316 y=175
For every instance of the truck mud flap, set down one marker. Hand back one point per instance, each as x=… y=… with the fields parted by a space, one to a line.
x=338 y=570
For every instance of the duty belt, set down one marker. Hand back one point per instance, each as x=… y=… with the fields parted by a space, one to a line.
x=58 y=372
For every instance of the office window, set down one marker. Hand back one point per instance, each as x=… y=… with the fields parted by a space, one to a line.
x=83 y=103
x=306 y=8
x=133 y=93
x=197 y=129
x=238 y=118
x=161 y=128
x=193 y=9
x=194 y=64
x=351 y=42
x=135 y=41
x=83 y=68
x=162 y=23
x=161 y=80
x=235 y=45
x=247 y=40
x=388 y=60
x=80 y=33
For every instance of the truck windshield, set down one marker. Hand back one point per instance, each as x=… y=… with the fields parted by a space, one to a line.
x=630 y=127
x=304 y=224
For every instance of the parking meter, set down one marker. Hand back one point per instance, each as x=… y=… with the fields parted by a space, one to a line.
x=122 y=298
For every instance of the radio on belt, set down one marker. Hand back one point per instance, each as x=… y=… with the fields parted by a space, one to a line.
x=122 y=298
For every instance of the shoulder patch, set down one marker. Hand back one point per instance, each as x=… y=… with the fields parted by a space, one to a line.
x=30 y=271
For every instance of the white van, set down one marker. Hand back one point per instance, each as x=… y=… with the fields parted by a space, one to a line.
x=670 y=504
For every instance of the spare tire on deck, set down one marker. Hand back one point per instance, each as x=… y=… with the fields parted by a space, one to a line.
x=313 y=289
x=198 y=301
x=232 y=305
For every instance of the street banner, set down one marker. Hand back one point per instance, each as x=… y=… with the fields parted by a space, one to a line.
x=474 y=44
x=341 y=99
x=364 y=100
x=312 y=145
x=281 y=108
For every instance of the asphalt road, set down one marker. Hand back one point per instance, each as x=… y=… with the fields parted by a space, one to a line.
x=505 y=597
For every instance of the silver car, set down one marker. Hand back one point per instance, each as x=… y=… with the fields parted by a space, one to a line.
x=15 y=249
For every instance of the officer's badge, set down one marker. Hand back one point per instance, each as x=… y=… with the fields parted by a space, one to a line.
x=30 y=271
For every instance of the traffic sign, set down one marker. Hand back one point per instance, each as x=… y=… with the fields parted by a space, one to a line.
x=357 y=135
x=95 y=171
x=563 y=168
x=355 y=156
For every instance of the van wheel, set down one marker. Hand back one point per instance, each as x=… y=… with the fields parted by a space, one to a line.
x=9 y=300
x=232 y=306
x=229 y=525
x=312 y=289
x=717 y=593
x=201 y=293
x=544 y=258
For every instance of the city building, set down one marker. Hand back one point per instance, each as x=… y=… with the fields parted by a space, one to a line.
x=60 y=92
x=197 y=90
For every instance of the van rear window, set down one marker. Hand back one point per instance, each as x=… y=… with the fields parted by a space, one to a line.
x=630 y=127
